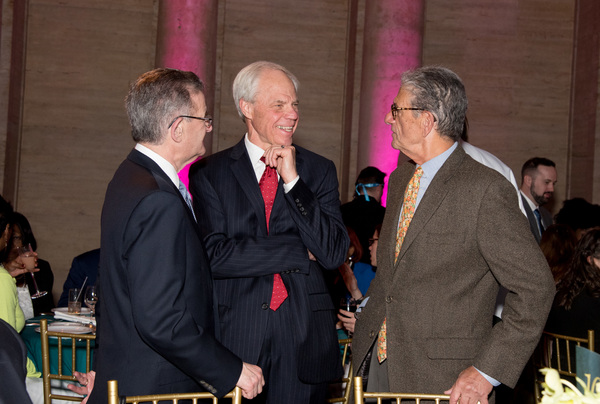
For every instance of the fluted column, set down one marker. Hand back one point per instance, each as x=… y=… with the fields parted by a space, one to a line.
x=187 y=40
x=392 y=44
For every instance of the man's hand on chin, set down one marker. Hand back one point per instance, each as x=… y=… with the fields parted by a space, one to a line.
x=470 y=387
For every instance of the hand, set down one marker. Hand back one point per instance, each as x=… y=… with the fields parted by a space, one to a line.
x=283 y=158
x=251 y=381
x=470 y=388
x=348 y=320
x=311 y=256
x=87 y=384
x=350 y=281
x=16 y=267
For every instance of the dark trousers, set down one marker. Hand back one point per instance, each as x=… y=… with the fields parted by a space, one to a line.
x=279 y=364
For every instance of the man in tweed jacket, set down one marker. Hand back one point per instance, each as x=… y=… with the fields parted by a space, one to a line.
x=466 y=239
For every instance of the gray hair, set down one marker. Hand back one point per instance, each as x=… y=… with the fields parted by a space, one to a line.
x=156 y=98
x=440 y=91
x=245 y=85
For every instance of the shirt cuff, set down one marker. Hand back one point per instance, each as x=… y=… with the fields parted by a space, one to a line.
x=490 y=379
x=288 y=187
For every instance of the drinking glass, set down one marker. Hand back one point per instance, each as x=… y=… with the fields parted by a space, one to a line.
x=91 y=298
x=28 y=258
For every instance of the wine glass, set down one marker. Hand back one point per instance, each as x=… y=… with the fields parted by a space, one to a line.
x=91 y=298
x=28 y=258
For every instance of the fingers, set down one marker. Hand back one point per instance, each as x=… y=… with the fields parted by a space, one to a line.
x=251 y=381
x=283 y=158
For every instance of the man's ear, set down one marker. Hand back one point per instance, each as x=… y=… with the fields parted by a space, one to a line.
x=427 y=122
x=527 y=180
x=247 y=108
x=176 y=130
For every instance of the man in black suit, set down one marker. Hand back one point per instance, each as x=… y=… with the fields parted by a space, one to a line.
x=83 y=266
x=538 y=177
x=274 y=305
x=13 y=368
x=156 y=317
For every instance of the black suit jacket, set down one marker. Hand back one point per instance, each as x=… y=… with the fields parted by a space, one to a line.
x=13 y=366
x=83 y=266
x=533 y=224
x=156 y=325
x=230 y=211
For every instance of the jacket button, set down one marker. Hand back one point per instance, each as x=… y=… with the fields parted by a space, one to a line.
x=388 y=299
x=264 y=306
x=371 y=334
x=297 y=200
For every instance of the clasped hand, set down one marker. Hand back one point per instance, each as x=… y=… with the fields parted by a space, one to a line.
x=282 y=158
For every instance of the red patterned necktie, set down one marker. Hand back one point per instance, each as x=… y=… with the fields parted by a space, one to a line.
x=408 y=210
x=268 y=187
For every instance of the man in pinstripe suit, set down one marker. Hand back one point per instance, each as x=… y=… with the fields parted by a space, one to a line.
x=295 y=343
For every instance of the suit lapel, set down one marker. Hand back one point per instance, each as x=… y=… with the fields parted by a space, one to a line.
x=161 y=177
x=243 y=172
x=433 y=198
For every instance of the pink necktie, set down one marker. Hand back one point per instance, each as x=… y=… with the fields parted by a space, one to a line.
x=408 y=210
x=268 y=187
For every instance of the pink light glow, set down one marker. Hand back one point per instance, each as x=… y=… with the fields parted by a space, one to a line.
x=187 y=40
x=392 y=45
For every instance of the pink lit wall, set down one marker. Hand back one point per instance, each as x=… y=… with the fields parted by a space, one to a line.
x=392 y=45
x=187 y=40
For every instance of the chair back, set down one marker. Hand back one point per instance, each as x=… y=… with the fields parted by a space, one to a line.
x=113 y=396
x=70 y=342
x=360 y=395
x=558 y=352
x=346 y=381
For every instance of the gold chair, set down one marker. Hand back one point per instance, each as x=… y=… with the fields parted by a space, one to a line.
x=113 y=396
x=360 y=395
x=346 y=356
x=558 y=352
x=46 y=375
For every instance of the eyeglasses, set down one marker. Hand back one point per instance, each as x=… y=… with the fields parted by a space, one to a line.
x=395 y=110
x=207 y=120
x=372 y=241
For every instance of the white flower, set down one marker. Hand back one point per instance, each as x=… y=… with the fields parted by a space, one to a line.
x=555 y=393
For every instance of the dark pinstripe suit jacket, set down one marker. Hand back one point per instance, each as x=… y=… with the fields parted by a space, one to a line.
x=243 y=258
x=156 y=319
x=466 y=238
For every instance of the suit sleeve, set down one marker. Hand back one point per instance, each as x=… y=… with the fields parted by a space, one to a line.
x=231 y=241
x=160 y=303
x=318 y=217
x=518 y=264
x=234 y=246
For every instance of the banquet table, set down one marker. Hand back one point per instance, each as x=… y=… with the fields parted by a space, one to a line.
x=34 y=348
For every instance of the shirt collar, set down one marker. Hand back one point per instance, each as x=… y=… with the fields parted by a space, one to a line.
x=160 y=161
x=254 y=152
x=531 y=204
x=431 y=167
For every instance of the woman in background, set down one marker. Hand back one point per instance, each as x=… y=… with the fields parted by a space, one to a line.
x=577 y=302
x=22 y=234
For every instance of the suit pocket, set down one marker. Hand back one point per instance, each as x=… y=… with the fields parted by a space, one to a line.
x=445 y=238
x=452 y=348
x=320 y=301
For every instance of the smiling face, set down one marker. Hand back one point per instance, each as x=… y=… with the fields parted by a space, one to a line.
x=272 y=117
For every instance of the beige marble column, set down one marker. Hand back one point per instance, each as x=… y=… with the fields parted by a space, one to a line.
x=392 y=44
